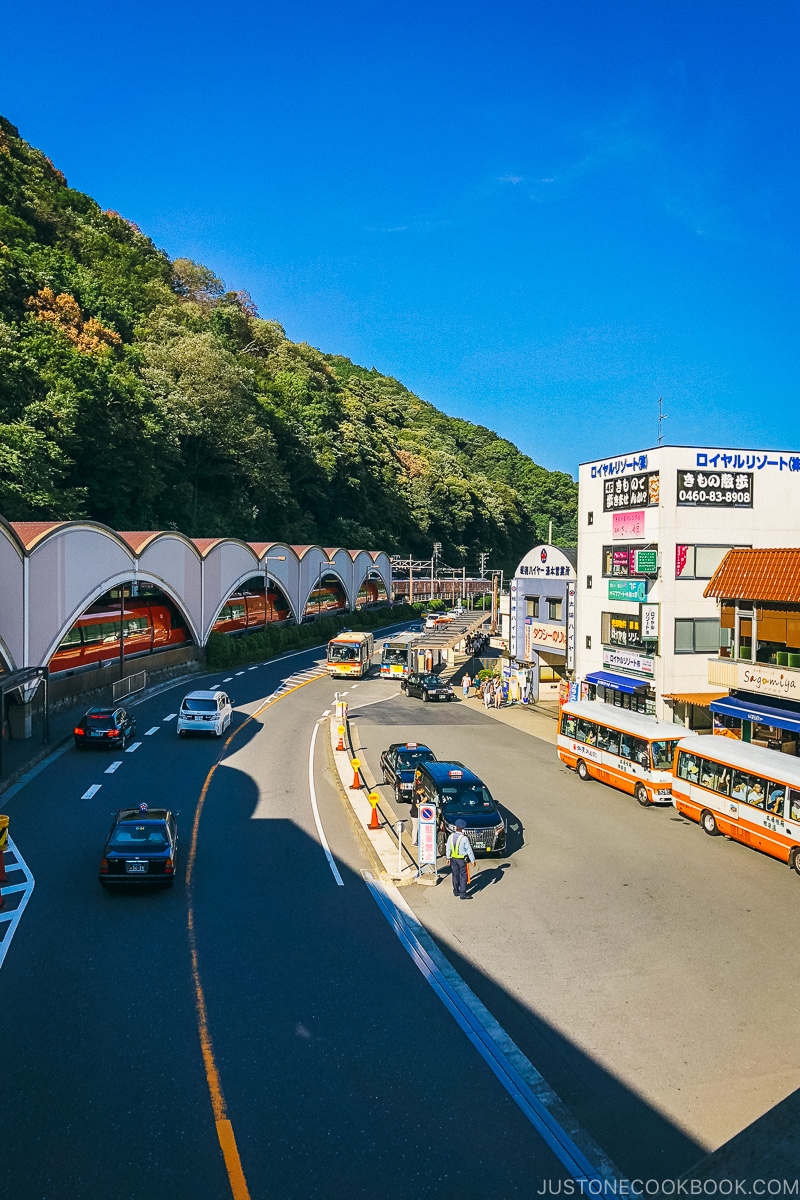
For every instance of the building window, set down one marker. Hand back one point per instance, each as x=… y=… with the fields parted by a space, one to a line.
x=590 y=518
x=620 y=561
x=697 y=635
x=532 y=606
x=699 y=562
x=553 y=609
x=588 y=643
x=588 y=581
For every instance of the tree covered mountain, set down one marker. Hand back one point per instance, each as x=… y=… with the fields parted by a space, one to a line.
x=138 y=391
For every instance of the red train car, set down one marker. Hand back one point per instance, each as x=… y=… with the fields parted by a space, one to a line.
x=326 y=600
x=371 y=592
x=147 y=625
x=247 y=610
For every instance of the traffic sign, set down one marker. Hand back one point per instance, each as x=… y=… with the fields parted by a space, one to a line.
x=426 y=837
x=427 y=813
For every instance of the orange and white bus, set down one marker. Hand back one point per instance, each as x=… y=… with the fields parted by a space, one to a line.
x=350 y=654
x=746 y=792
x=628 y=750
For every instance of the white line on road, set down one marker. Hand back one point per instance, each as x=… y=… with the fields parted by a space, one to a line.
x=315 y=809
x=131 y=749
x=92 y=791
x=171 y=717
x=327 y=712
x=255 y=668
x=150 y=732
x=554 y=1123
x=227 y=679
x=240 y=672
x=114 y=766
x=14 y=916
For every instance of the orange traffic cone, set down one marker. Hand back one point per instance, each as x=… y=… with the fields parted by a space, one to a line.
x=374 y=823
x=341 y=738
x=355 y=786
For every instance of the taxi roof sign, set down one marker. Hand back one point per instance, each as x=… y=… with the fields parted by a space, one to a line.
x=411 y=745
x=455 y=774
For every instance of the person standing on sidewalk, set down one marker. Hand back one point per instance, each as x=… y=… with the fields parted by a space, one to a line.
x=458 y=853
x=414 y=819
x=466 y=684
x=498 y=694
x=487 y=694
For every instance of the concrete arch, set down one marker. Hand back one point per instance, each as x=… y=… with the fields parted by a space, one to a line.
x=327 y=569
x=367 y=563
x=243 y=579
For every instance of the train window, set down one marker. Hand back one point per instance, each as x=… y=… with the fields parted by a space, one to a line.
x=92 y=635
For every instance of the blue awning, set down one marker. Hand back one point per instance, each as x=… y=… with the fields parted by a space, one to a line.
x=761 y=714
x=617 y=683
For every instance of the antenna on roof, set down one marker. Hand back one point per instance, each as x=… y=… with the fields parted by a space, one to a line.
x=661 y=419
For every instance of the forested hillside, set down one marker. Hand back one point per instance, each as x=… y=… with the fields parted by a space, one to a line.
x=138 y=391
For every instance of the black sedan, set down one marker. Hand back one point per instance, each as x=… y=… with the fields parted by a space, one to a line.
x=427 y=687
x=141 y=847
x=105 y=727
x=399 y=763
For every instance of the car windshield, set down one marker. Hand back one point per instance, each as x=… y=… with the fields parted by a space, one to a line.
x=345 y=652
x=192 y=705
x=467 y=797
x=139 y=838
x=432 y=681
x=663 y=754
x=407 y=758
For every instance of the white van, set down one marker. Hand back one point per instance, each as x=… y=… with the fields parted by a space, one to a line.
x=204 y=712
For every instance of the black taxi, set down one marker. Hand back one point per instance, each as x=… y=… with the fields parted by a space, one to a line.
x=399 y=763
x=459 y=794
x=141 y=847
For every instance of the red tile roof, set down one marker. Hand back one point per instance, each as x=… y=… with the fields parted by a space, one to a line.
x=29 y=532
x=757 y=575
x=137 y=539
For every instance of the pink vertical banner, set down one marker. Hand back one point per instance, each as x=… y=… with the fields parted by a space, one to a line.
x=628 y=525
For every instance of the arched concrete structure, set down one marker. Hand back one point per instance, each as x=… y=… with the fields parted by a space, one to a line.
x=51 y=571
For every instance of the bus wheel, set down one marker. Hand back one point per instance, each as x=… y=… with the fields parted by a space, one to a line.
x=709 y=823
x=642 y=796
x=583 y=770
x=794 y=859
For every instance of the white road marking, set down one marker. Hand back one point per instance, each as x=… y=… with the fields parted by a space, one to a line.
x=342 y=693
x=240 y=672
x=131 y=749
x=327 y=712
x=227 y=679
x=171 y=717
x=13 y=917
x=255 y=668
x=315 y=809
x=114 y=766
x=150 y=732
x=92 y=791
x=554 y=1123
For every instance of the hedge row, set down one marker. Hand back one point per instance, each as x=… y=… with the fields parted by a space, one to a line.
x=223 y=650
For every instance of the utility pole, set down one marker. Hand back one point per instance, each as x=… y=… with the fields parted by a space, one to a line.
x=550 y=533
x=483 y=556
x=410 y=579
x=661 y=419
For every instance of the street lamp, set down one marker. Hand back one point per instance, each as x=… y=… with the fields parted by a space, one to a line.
x=267 y=559
x=328 y=562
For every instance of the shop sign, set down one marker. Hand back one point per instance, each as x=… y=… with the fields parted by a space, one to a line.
x=621 y=629
x=544 y=635
x=627 y=660
x=769 y=681
x=715 y=489
x=634 y=491
x=645 y=562
x=627 y=525
x=627 y=589
x=649 y=622
x=571 y=627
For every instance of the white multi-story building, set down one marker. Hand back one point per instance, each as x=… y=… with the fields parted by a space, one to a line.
x=653 y=527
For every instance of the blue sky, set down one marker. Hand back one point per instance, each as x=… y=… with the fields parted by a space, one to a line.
x=541 y=217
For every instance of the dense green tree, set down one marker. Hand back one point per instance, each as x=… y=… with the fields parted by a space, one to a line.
x=140 y=392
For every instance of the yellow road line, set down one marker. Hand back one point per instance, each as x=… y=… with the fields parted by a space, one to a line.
x=225 y=1135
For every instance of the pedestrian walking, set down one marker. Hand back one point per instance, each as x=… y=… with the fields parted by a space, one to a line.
x=487 y=695
x=458 y=853
x=414 y=820
x=498 y=694
x=466 y=684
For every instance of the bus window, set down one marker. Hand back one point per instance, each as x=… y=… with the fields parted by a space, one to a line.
x=775 y=798
x=715 y=776
x=663 y=754
x=634 y=749
x=568 y=724
x=687 y=767
x=794 y=805
x=608 y=739
x=749 y=789
x=586 y=731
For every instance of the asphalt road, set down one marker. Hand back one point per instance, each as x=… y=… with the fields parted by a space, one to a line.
x=649 y=971
x=342 y=1073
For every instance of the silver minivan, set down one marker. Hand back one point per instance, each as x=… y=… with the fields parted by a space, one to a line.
x=205 y=712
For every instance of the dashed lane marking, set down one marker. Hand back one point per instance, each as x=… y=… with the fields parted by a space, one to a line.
x=227 y=679
x=131 y=749
x=150 y=732
x=255 y=668
x=114 y=767
x=240 y=672
x=92 y=791
x=171 y=717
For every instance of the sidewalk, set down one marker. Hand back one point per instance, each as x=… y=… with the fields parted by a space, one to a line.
x=539 y=720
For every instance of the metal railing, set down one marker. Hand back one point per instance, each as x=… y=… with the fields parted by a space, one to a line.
x=129 y=685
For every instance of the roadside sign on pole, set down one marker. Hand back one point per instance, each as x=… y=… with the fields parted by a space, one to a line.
x=426 y=837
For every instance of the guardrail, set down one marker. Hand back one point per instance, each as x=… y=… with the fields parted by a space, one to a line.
x=129 y=685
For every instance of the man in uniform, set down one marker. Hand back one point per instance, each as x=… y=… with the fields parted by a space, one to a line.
x=458 y=853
